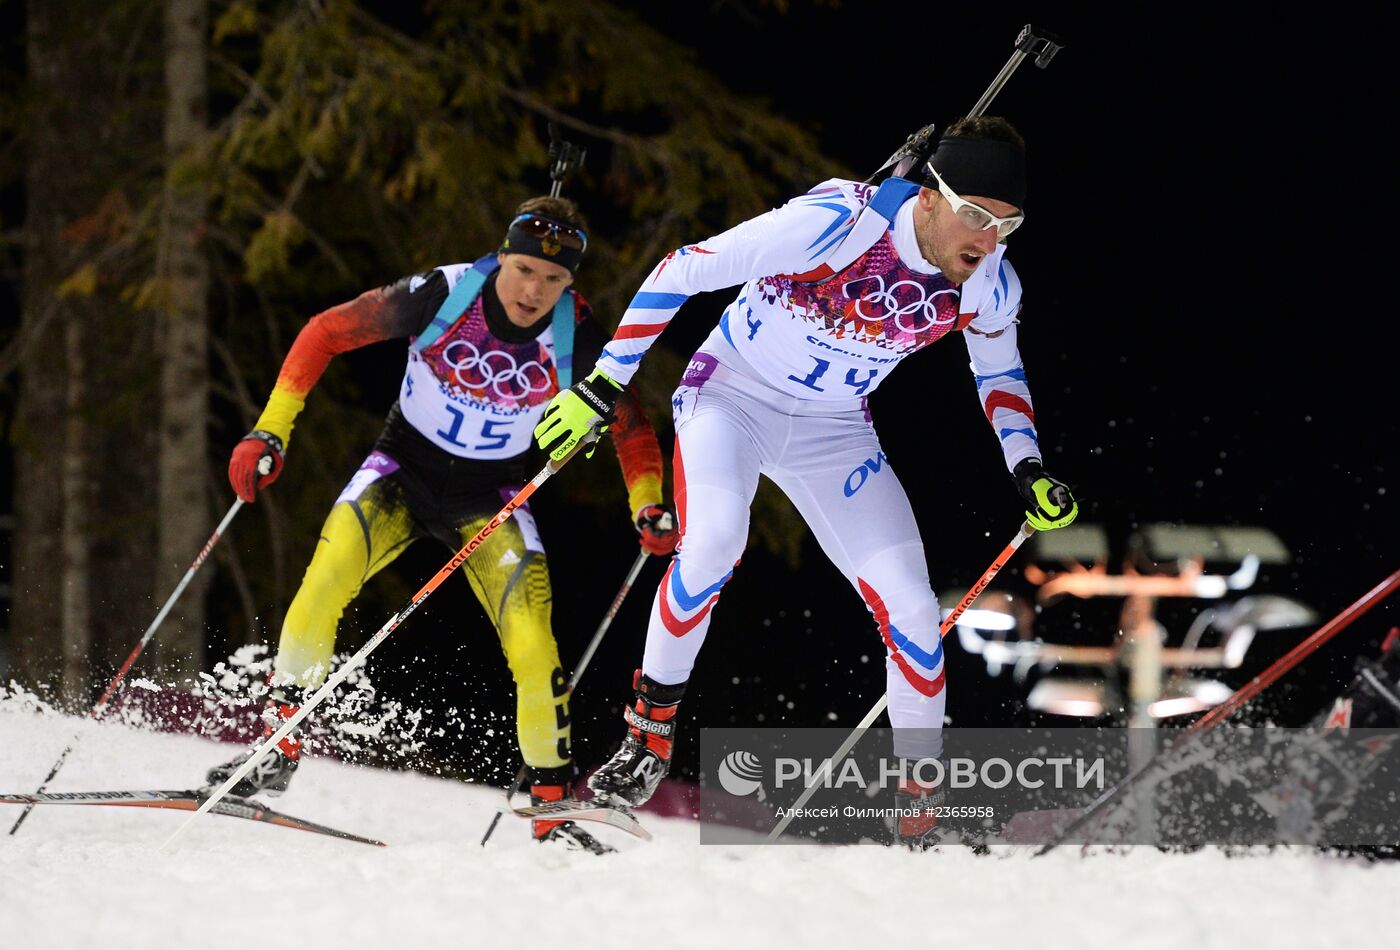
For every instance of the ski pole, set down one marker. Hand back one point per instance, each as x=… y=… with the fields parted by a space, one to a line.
x=1024 y=532
x=101 y=708
x=1223 y=711
x=608 y=618
x=358 y=659
x=578 y=673
x=1042 y=45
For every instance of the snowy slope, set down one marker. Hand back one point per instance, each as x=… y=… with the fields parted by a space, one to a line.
x=80 y=877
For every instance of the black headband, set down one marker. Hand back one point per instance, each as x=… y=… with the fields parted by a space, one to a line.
x=548 y=248
x=986 y=168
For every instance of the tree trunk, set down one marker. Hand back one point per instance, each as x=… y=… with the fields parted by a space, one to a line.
x=47 y=625
x=77 y=536
x=82 y=434
x=183 y=271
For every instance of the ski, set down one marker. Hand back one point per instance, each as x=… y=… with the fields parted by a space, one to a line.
x=188 y=800
x=591 y=810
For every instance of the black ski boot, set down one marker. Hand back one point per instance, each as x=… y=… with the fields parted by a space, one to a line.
x=555 y=785
x=631 y=776
x=274 y=770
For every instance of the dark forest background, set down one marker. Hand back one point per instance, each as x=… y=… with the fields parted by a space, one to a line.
x=182 y=184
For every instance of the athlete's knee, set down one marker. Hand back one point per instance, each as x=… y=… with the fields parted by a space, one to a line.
x=914 y=608
x=326 y=590
x=907 y=598
x=531 y=655
x=341 y=555
x=894 y=581
x=326 y=586
x=712 y=544
x=908 y=621
x=894 y=566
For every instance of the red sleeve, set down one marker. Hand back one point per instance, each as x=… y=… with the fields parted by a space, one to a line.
x=382 y=314
x=637 y=452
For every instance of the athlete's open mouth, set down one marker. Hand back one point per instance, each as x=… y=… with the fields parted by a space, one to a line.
x=971 y=260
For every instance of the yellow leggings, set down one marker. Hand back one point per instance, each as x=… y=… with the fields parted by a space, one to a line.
x=363 y=535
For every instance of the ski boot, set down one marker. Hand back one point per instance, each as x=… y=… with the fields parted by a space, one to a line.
x=916 y=824
x=554 y=785
x=631 y=776
x=274 y=770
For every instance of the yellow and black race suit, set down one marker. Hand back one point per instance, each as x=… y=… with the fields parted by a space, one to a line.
x=484 y=382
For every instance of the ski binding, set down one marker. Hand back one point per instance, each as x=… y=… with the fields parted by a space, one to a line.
x=591 y=810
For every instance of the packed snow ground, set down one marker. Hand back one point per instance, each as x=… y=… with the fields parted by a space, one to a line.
x=96 y=876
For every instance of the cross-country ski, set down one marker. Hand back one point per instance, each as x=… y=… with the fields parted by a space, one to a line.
x=187 y=800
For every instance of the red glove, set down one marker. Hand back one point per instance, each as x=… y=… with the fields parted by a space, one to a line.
x=657 y=527
x=256 y=463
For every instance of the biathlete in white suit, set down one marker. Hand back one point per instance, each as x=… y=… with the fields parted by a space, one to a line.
x=839 y=286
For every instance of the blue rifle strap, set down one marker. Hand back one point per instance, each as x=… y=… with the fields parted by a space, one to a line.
x=891 y=195
x=457 y=302
x=563 y=324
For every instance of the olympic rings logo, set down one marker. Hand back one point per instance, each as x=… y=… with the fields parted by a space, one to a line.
x=923 y=309
x=507 y=378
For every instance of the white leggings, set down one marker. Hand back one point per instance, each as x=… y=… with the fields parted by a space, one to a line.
x=730 y=428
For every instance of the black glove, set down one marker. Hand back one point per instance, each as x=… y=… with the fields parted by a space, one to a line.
x=1052 y=504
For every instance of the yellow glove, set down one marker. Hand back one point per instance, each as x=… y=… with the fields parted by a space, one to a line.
x=1052 y=504
x=570 y=415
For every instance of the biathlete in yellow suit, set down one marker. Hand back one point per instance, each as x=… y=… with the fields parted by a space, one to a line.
x=490 y=342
